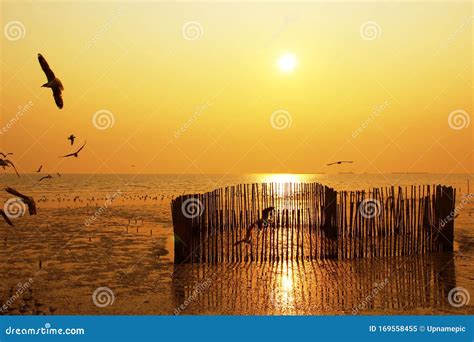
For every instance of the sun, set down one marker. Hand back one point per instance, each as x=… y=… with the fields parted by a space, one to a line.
x=287 y=62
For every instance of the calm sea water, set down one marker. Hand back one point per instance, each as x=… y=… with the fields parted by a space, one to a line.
x=103 y=244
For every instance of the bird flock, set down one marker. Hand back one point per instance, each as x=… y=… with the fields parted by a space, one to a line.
x=57 y=88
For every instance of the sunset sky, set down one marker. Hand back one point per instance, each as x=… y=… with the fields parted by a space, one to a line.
x=203 y=87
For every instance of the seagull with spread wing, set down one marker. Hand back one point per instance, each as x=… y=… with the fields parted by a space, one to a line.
x=74 y=154
x=53 y=82
x=4 y=155
x=45 y=177
x=7 y=163
x=262 y=223
x=28 y=200
x=339 y=162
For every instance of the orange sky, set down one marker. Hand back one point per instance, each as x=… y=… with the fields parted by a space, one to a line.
x=374 y=83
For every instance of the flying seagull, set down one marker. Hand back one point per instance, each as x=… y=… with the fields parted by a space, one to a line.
x=5 y=154
x=262 y=223
x=28 y=200
x=341 y=162
x=6 y=218
x=6 y=163
x=71 y=138
x=45 y=177
x=53 y=82
x=74 y=154
x=39 y=169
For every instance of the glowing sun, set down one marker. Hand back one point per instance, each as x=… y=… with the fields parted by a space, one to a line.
x=287 y=62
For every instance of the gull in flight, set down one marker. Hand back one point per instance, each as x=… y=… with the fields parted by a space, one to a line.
x=6 y=163
x=262 y=223
x=28 y=200
x=74 y=154
x=339 y=162
x=53 y=82
x=5 y=154
x=71 y=138
x=45 y=177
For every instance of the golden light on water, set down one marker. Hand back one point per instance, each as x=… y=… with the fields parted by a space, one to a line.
x=282 y=178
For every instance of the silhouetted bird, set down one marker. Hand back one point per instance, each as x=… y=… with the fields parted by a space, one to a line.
x=45 y=177
x=39 y=169
x=262 y=223
x=340 y=162
x=6 y=163
x=6 y=218
x=59 y=175
x=71 y=138
x=53 y=82
x=75 y=154
x=28 y=200
x=5 y=154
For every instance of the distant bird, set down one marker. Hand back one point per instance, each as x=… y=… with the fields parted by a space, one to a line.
x=6 y=163
x=28 y=200
x=341 y=162
x=6 y=218
x=262 y=223
x=71 y=138
x=39 y=169
x=58 y=174
x=45 y=177
x=5 y=154
x=53 y=82
x=75 y=154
